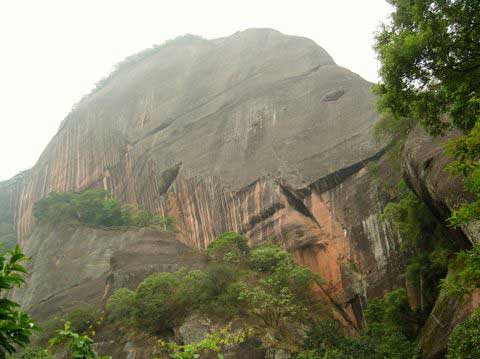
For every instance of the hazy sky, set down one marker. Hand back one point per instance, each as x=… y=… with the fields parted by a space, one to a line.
x=52 y=52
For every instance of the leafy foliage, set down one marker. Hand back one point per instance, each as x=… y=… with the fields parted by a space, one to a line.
x=32 y=353
x=430 y=69
x=94 y=207
x=388 y=334
x=229 y=247
x=267 y=257
x=464 y=342
x=15 y=325
x=424 y=239
x=466 y=151
x=79 y=346
x=465 y=276
x=430 y=63
x=214 y=343
x=164 y=299
x=237 y=282
x=120 y=305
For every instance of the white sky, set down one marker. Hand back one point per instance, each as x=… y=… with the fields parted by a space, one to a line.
x=52 y=52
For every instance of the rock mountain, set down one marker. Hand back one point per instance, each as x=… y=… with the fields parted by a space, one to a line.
x=259 y=133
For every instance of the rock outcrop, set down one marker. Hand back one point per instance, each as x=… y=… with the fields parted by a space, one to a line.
x=259 y=133
x=74 y=265
x=425 y=169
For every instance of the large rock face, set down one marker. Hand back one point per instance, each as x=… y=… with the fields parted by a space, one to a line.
x=75 y=265
x=425 y=168
x=259 y=133
x=219 y=114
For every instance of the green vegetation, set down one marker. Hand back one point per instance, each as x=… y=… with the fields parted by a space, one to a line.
x=229 y=247
x=465 y=276
x=94 y=207
x=80 y=319
x=430 y=64
x=464 y=342
x=426 y=242
x=390 y=333
x=15 y=325
x=78 y=346
x=430 y=69
x=236 y=283
x=466 y=151
x=430 y=56
x=214 y=343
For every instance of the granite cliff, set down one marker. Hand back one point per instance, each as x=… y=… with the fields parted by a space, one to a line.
x=259 y=133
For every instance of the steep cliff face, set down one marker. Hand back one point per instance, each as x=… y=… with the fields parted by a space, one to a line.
x=226 y=112
x=9 y=194
x=75 y=265
x=425 y=168
x=259 y=133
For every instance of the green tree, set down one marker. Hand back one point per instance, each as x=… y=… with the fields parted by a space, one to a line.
x=465 y=275
x=267 y=257
x=424 y=239
x=213 y=343
x=120 y=305
x=79 y=346
x=230 y=247
x=94 y=207
x=464 y=342
x=430 y=63
x=15 y=325
x=430 y=70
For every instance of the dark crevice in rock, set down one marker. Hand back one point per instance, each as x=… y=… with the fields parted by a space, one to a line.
x=295 y=200
x=440 y=211
x=358 y=303
x=153 y=132
x=334 y=179
x=168 y=177
x=333 y=96
x=50 y=297
x=306 y=73
x=339 y=308
x=264 y=215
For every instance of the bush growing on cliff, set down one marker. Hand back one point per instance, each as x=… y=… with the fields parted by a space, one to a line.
x=120 y=305
x=388 y=334
x=424 y=239
x=430 y=73
x=229 y=247
x=270 y=295
x=464 y=342
x=266 y=258
x=94 y=207
x=465 y=276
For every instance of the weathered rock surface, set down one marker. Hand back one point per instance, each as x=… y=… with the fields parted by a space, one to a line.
x=425 y=168
x=9 y=192
x=224 y=112
x=259 y=133
x=76 y=265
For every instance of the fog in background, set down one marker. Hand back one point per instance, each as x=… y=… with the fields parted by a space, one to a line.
x=53 y=52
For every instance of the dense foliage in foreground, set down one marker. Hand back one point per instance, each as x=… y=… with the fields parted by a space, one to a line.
x=15 y=325
x=263 y=286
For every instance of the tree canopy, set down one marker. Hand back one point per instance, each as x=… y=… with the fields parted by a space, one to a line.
x=430 y=63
